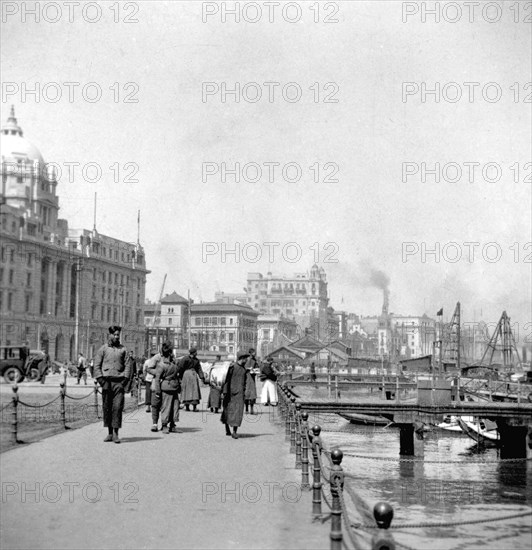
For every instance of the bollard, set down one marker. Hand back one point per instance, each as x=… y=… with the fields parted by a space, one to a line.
x=287 y=421
x=96 y=398
x=304 y=451
x=62 y=393
x=298 y=435
x=336 y=387
x=14 y=417
x=316 y=486
x=329 y=383
x=292 y=425
x=382 y=540
x=337 y=485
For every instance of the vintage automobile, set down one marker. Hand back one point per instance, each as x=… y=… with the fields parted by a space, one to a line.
x=14 y=367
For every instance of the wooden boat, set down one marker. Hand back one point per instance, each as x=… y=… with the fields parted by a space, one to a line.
x=449 y=424
x=482 y=431
x=366 y=419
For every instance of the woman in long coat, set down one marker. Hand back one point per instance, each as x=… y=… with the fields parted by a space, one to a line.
x=190 y=370
x=233 y=395
x=250 y=397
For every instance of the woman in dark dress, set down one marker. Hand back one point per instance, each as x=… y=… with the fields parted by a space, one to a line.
x=190 y=370
x=233 y=395
x=250 y=396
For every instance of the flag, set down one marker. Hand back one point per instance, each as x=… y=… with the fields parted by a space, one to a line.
x=440 y=312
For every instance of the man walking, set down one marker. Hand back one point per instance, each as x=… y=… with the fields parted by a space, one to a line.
x=148 y=378
x=82 y=369
x=165 y=387
x=268 y=375
x=167 y=379
x=111 y=370
x=233 y=395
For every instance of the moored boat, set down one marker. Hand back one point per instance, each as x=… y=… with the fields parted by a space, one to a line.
x=366 y=419
x=482 y=431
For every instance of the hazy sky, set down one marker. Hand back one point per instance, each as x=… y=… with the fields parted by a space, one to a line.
x=366 y=57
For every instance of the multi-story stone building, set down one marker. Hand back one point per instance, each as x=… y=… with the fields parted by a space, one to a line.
x=227 y=328
x=303 y=298
x=60 y=289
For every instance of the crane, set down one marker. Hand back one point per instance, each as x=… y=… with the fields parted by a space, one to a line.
x=157 y=313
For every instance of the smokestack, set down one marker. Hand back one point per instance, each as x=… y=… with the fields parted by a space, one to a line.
x=386 y=301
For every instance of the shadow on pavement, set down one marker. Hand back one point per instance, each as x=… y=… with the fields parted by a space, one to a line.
x=243 y=436
x=135 y=439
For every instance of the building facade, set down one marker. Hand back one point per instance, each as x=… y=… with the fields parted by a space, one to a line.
x=274 y=331
x=167 y=321
x=302 y=298
x=60 y=289
x=227 y=328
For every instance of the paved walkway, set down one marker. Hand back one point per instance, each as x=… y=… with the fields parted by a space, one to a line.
x=194 y=489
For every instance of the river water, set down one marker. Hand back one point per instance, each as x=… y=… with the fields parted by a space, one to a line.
x=456 y=481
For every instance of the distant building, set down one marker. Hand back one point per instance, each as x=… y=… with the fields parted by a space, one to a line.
x=274 y=331
x=167 y=321
x=302 y=297
x=230 y=298
x=227 y=328
x=60 y=289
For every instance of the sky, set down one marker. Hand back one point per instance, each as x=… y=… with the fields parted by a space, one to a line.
x=361 y=134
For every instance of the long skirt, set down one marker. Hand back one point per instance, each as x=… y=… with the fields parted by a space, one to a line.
x=250 y=394
x=269 y=393
x=190 y=389
x=215 y=398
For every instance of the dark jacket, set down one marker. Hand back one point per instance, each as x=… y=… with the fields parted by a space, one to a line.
x=166 y=373
x=112 y=362
x=188 y=362
x=267 y=372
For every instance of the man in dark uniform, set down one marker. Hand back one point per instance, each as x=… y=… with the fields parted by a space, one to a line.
x=167 y=382
x=111 y=370
x=233 y=395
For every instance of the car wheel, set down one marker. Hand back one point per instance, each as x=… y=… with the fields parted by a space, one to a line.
x=33 y=374
x=12 y=374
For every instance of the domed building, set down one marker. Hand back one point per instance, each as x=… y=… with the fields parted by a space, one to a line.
x=59 y=289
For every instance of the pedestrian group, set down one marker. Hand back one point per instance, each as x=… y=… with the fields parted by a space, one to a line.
x=173 y=383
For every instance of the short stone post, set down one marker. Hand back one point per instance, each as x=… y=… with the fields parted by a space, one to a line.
x=337 y=486
x=383 y=514
x=62 y=393
x=14 y=415
x=298 y=436
x=316 y=486
x=96 y=399
x=304 y=451
x=293 y=425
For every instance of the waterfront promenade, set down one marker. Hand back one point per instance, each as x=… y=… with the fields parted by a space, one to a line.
x=194 y=489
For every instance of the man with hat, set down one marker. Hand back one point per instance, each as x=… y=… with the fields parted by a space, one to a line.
x=189 y=370
x=268 y=376
x=233 y=392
